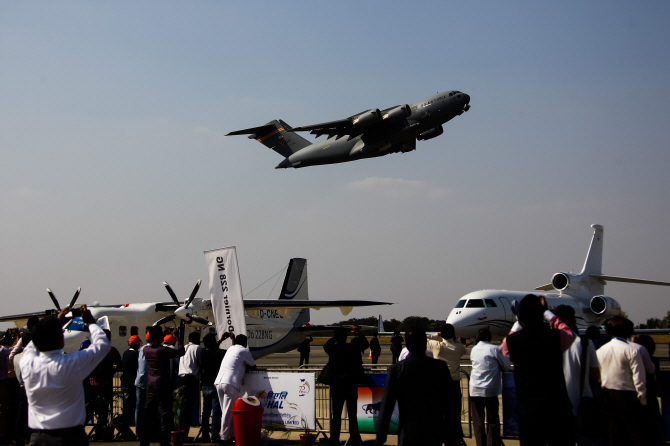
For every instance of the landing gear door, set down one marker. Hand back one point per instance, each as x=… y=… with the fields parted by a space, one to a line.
x=509 y=316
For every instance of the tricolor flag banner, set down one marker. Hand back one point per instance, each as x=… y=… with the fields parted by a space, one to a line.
x=225 y=290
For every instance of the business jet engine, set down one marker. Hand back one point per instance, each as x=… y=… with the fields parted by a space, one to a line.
x=605 y=306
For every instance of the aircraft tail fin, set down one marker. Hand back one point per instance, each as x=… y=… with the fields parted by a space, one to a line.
x=295 y=288
x=277 y=135
x=594 y=259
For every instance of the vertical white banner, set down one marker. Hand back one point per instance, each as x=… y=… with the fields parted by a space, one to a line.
x=225 y=290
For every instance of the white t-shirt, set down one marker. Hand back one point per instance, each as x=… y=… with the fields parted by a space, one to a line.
x=572 y=371
x=404 y=353
x=233 y=366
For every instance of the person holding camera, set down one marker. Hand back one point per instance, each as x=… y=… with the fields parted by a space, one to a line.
x=52 y=380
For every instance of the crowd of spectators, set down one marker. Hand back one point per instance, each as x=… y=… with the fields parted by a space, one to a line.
x=569 y=389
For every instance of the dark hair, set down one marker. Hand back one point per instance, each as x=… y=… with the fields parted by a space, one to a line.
x=396 y=332
x=48 y=334
x=241 y=340
x=416 y=340
x=593 y=332
x=31 y=322
x=647 y=342
x=630 y=328
x=566 y=313
x=340 y=334
x=448 y=331
x=209 y=340
x=194 y=337
x=530 y=310
x=156 y=335
x=617 y=326
x=484 y=335
x=108 y=333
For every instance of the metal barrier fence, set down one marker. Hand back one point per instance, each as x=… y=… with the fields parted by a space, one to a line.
x=322 y=393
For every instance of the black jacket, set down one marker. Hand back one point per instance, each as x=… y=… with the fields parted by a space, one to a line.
x=344 y=363
x=422 y=387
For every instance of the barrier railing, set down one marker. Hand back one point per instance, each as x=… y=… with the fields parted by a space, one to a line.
x=322 y=393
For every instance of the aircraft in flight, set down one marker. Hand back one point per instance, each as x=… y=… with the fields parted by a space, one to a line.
x=367 y=134
x=496 y=309
x=272 y=325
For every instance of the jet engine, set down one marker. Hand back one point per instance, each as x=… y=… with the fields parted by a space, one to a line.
x=605 y=306
x=367 y=118
x=432 y=133
x=398 y=113
x=560 y=281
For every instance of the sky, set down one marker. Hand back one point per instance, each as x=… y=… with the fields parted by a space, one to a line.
x=115 y=173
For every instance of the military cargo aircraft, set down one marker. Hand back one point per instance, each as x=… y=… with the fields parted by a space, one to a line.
x=367 y=134
x=272 y=325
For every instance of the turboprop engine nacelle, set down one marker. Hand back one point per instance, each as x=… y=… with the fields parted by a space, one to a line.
x=398 y=113
x=605 y=306
x=432 y=133
x=367 y=118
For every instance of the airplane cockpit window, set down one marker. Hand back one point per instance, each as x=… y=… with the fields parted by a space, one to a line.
x=451 y=94
x=461 y=303
x=122 y=330
x=490 y=303
x=475 y=303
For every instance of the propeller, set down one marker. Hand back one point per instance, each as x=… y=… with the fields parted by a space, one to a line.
x=165 y=319
x=55 y=301
x=181 y=311
x=193 y=293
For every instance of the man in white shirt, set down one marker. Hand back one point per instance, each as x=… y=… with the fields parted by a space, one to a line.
x=450 y=351
x=189 y=373
x=624 y=388
x=229 y=381
x=488 y=363
x=52 y=380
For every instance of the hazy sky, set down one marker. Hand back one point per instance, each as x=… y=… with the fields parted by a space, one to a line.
x=115 y=174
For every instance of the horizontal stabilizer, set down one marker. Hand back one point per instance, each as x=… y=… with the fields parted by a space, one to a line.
x=547 y=287
x=628 y=280
x=264 y=129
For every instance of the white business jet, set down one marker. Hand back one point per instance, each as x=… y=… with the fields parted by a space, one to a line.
x=496 y=309
x=272 y=325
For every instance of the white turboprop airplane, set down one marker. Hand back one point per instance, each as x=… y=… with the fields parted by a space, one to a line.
x=272 y=325
x=496 y=309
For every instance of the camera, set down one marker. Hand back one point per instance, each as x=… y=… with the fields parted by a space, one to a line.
x=76 y=312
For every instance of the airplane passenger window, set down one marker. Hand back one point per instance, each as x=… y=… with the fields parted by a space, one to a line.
x=461 y=303
x=451 y=94
x=490 y=303
x=475 y=303
x=133 y=331
x=122 y=330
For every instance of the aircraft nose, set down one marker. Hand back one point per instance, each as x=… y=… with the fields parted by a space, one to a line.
x=467 y=98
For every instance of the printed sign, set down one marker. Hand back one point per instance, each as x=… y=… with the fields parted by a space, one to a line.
x=225 y=290
x=370 y=401
x=287 y=398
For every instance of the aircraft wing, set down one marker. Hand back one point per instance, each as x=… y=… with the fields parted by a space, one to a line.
x=283 y=305
x=20 y=320
x=346 y=126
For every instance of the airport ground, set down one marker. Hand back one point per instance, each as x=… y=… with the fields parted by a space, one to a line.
x=319 y=357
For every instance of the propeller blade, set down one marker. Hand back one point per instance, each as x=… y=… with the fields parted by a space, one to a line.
x=165 y=319
x=75 y=297
x=193 y=293
x=199 y=320
x=53 y=299
x=172 y=294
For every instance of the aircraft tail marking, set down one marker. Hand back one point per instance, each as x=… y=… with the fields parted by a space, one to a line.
x=277 y=135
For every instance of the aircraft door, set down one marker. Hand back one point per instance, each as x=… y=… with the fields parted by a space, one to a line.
x=508 y=314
